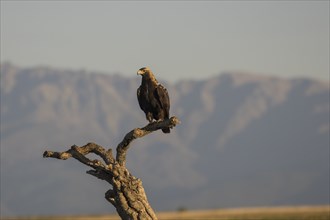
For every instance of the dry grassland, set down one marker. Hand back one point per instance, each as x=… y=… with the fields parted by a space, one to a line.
x=271 y=213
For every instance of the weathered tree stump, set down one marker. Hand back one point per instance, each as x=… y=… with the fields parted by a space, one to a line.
x=127 y=194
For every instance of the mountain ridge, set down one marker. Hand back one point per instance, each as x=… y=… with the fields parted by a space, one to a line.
x=239 y=133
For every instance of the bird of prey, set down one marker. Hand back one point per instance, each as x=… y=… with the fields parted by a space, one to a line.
x=153 y=97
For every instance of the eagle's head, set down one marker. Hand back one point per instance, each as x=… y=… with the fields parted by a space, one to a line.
x=146 y=74
x=143 y=71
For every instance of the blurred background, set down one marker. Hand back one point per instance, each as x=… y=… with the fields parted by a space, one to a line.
x=248 y=79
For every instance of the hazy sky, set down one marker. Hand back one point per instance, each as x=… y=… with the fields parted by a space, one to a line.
x=184 y=39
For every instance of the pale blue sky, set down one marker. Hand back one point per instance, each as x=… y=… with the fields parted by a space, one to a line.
x=185 y=39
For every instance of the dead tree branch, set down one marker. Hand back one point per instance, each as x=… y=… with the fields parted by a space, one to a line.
x=127 y=194
x=140 y=132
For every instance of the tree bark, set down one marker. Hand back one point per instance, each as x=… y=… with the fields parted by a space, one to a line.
x=127 y=194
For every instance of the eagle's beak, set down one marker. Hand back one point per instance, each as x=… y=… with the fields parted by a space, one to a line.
x=139 y=72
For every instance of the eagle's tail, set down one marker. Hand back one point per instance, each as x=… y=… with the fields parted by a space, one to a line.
x=166 y=130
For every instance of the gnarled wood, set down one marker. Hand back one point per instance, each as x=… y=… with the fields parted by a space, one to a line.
x=127 y=194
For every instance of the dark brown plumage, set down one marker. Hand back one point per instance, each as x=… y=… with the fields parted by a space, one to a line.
x=153 y=97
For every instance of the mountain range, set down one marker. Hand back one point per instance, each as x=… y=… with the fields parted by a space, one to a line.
x=245 y=140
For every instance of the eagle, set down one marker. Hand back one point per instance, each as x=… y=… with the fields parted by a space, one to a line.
x=153 y=97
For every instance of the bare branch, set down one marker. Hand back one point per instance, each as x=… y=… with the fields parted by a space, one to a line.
x=140 y=132
x=79 y=152
x=127 y=193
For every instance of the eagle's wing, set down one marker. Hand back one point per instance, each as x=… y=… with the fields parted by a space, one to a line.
x=140 y=99
x=163 y=98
